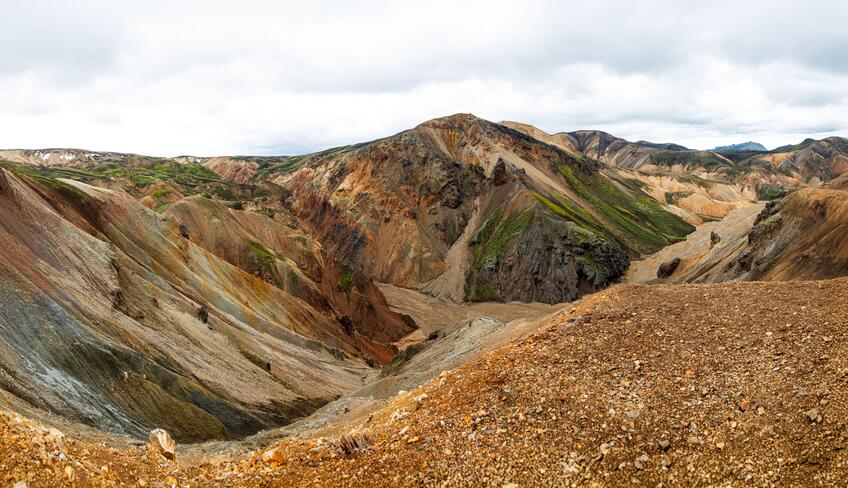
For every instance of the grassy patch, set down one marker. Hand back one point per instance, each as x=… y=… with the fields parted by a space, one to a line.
x=42 y=177
x=265 y=258
x=496 y=234
x=489 y=244
x=638 y=215
x=346 y=279
x=402 y=358
x=672 y=197
x=770 y=192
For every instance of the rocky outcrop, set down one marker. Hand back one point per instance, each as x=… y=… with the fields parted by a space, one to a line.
x=533 y=256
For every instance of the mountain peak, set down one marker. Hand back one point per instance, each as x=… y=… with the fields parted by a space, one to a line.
x=742 y=146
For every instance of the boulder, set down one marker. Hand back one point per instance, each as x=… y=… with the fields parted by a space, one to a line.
x=714 y=238
x=161 y=442
x=667 y=268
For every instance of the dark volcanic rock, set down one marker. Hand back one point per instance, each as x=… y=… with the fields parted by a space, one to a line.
x=714 y=238
x=667 y=268
x=203 y=314
x=554 y=261
x=500 y=174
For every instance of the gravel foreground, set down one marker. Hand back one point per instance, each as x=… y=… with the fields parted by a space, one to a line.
x=735 y=384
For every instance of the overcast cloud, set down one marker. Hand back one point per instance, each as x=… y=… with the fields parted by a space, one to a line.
x=253 y=77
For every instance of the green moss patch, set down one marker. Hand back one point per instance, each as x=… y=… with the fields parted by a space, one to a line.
x=346 y=279
x=639 y=219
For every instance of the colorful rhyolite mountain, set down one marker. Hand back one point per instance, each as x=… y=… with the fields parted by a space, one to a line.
x=218 y=296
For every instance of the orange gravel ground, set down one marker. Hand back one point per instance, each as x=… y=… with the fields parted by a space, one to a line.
x=740 y=384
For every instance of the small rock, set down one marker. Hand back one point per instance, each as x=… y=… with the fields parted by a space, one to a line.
x=171 y=482
x=354 y=442
x=20 y=484
x=761 y=410
x=641 y=461
x=694 y=440
x=203 y=314
x=664 y=444
x=714 y=238
x=273 y=456
x=160 y=441
x=69 y=474
x=58 y=439
x=744 y=405
x=813 y=415
x=633 y=414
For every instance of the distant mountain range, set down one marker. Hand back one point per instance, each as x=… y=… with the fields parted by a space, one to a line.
x=742 y=146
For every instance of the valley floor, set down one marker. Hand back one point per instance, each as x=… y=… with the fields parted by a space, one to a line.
x=742 y=383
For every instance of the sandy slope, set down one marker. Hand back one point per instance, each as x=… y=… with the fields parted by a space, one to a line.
x=696 y=249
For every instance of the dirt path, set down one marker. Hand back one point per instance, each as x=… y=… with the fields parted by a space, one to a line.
x=433 y=314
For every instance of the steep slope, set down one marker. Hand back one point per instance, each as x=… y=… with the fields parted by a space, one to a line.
x=639 y=385
x=544 y=225
x=285 y=257
x=111 y=318
x=799 y=237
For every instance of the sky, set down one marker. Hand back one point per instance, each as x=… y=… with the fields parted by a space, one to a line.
x=208 y=78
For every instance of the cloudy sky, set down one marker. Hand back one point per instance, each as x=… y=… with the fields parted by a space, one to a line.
x=253 y=77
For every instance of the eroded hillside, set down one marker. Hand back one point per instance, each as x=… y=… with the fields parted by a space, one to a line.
x=113 y=318
x=736 y=383
x=799 y=237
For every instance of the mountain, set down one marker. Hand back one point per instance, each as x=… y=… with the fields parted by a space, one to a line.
x=216 y=297
x=113 y=317
x=742 y=146
x=466 y=208
x=811 y=161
